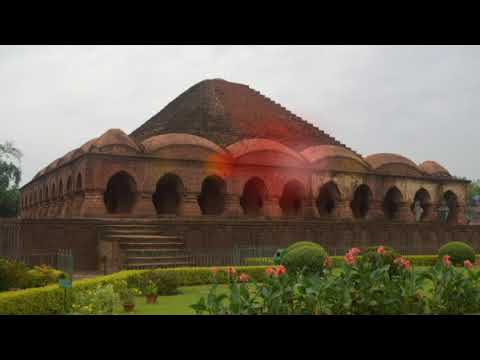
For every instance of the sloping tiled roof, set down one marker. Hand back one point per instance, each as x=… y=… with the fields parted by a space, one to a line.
x=433 y=168
x=226 y=113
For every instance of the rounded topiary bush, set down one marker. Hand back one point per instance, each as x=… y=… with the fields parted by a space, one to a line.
x=301 y=244
x=307 y=257
x=458 y=252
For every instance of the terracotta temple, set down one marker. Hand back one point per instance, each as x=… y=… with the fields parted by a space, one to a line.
x=224 y=150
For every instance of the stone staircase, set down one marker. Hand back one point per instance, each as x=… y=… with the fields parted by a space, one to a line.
x=144 y=247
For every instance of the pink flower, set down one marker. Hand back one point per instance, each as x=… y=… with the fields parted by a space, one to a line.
x=232 y=271
x=446 y=261
x=381 y=250
x=351 y=256
x=350 y=259
x=245 y=278
x=468 y=264
x=406 y=264
x=270 y=272
x=281 y=270
x=355 y=251
x=328 y=262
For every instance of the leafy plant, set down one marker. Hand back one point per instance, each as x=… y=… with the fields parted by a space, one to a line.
x=101 y=300
x=151 y=289
x=127 y=294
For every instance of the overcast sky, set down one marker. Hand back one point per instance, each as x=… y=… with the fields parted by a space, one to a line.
x=418 y=101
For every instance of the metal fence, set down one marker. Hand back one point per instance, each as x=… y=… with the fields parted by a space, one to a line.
x=238 y=255
x=59 y=259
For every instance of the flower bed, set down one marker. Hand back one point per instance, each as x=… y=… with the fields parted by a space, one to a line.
x=368 y=285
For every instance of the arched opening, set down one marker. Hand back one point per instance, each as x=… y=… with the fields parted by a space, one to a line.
x=168 y=194
x=327 y=199
x=60 y=189
x=53 y=194
x=451 y=201
x=362 y=198
x=253 y=197
x=212 y=198
x=391 y=203
x=79 y=182
x=69 y=184
x=120 y=195
x=291 y=201
x=46 y=193
x=423 y=199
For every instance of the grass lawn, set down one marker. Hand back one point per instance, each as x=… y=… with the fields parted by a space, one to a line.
x=174 y=304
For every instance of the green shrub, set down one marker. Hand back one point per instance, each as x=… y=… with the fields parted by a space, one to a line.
x=302 y=244
x=258 y=261
x=309 y=258
x=42 y=276
x=458 y=252
x=13 y=274
x=98 y=301
x=422 y=260
x=49 y=299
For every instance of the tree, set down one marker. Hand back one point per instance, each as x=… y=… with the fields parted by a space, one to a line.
x=473 y=191
x=10 y=176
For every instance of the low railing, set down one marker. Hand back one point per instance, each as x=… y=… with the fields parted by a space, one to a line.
x=237 y=255
x=61 y=259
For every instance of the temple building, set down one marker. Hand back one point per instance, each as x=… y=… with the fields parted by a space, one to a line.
x=224 y=150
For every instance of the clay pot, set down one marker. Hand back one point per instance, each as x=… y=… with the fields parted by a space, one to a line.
x=151 y=299
x=128 y=307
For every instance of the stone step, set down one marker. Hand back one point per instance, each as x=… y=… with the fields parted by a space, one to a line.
x=153 y=245
x=146 y=237
x=149 y=250
x=158 y=259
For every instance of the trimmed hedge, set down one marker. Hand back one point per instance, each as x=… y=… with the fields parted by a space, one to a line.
x=48 y=300
x=418 y=260
x=258 y=261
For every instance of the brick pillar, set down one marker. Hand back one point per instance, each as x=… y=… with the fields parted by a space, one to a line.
x=67 y=207
x=91 y=204
x=52 y=205
x=59 y=209
x=405 y=213
x=343 y=210
x=44 y=209
x=375 y=212
x=461 y=215
x=77 y=204
x=144 y=206
x=310 y=208
x=232 y=205
x=189 y=205
x=272 y=206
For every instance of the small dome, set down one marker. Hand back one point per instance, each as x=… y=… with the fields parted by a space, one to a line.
x=434 y=168
x=320 y=152
x=115 y=137
x=160 y=141
x=246 y=146
x=379 y=160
